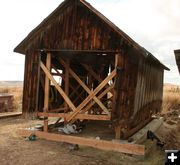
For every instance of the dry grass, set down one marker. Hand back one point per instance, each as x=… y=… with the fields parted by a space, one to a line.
x=17 y=92
x=171 y=98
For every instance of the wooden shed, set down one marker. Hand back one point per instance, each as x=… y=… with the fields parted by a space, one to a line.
x=177 y=56
x=80 y=66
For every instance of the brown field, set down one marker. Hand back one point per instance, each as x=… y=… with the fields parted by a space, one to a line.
x=14 y=149
x=171 y=97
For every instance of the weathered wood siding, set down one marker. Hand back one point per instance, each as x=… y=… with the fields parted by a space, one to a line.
x=149 y=90
x=30 y=83
x=75 y=27
x=149 y=85
x=138 y=90
x=125 y=86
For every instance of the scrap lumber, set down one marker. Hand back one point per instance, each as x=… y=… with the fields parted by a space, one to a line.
x=100 y=144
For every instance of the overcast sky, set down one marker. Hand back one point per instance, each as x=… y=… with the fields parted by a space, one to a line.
x=154 y=24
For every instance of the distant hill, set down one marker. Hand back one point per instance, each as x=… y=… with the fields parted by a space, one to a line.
x=11 y=83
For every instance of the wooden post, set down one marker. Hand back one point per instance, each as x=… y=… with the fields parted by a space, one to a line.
x=118 y=132
x=46 y=91
x=66 y=83
x=117 y=99
x=38 y=80
x=45 y=125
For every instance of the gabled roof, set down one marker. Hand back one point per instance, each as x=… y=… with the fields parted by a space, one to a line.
x=46 y=21
x=177 y=56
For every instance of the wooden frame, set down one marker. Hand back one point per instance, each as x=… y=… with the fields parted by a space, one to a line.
x=77 y=111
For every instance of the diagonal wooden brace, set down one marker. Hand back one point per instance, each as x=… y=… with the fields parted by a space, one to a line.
x=95 y=75
x=99 y=97
x=66 y=98
x=92 y=94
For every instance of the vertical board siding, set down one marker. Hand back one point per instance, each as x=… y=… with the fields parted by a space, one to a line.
x=76 y=28
x=149 y=88
x=125 y=87
x=30 y=84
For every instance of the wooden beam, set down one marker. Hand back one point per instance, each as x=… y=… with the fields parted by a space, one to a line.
x=74 y=90
x=38 y=81
x=45 y=129
x=118 y=132
x=52 y=126
x=79 y=116
x=66 y=98
x=100 y=144
x=57 y=74
x=46 y=93
x=67 y=82
x=79 y=51
x=79 y=96
x=92 y=94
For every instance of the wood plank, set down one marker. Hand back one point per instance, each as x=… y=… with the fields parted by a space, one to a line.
x=118 y=132
x=79 y=116
x=46 y=93
x=66 y=98
x=67 y=82
x=75 y=90
x=92 y=94
x=38 y=81
x=79 y=96
x=80 y=51
x=100 y=144
x=45 y=128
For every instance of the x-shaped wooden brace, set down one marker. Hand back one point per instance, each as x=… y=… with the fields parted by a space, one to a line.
x=91 y=94
x=85 y=87
x=96 y=76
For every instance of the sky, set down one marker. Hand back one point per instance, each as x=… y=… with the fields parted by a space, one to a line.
x=154 y=24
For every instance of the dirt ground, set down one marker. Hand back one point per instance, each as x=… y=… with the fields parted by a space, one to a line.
x=15 y=149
